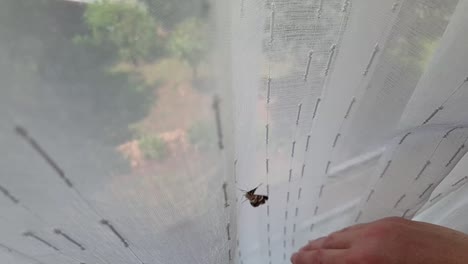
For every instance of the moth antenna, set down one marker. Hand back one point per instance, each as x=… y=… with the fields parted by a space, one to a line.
x=258 y=186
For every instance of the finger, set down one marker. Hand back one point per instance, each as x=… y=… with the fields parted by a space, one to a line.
x=314 y=244
x=340 y=240
x=328 y=256
x=352 y=228
x=318 y=243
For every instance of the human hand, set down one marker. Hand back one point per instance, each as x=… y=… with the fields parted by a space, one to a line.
x=388 y=241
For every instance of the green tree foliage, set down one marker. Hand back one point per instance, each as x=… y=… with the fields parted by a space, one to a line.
x=202 y=135
x=125 y=27
x=189 y=42
x=153 y=147
x=172 y=12
x=415 y=51
x=44 y=71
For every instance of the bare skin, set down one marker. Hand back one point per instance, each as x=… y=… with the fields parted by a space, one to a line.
x=388 y=241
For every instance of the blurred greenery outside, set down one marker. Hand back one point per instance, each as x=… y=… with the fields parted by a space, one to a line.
x=415 y=52
x=202 y=135
x=140 y=38
x=112 y=57
x=153 y=147
x=116 y=55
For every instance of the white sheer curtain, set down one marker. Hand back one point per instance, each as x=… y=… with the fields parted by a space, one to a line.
x=362 y=103
x=117 y=150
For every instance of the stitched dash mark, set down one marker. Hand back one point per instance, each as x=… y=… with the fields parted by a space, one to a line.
x=268 y=227
x=267 y=131
x=370 y=195
x=217 y=111
x=33 y=143
x=399 y=200
x=350 y=107
x=371 y=60
x=317 y=105
x=435 y=197
x=287 y=197
x=297 y=213
x=286 y=215
x=316 y=210
x=328 y=167
x=229 y=255
x=309 y=60
x=450 y=131
x=235 y=171
x=307 y=143
x=386 y=168
x=67 y=237
x=268 y=90
x=299 y=109
x=422 y=170
x=284 y=230
x=321 y=190
x=311 y=228
x=330 y=59
x=228 y=231
x=358 y=217
x=272 y=23
x=426 y=190
x=8 y=195
x=433 y=114
x=40 y=239
x=302 y=170
x=405 y=213
x=455 y=155
x=293 y=243
x=267 y=165
x=459 y=181
x=226 y=204
x=293 y=147
x=268 y=210
x=336 y=139
x=112 y=228
x=290 y=175
x=404 y=137
x=299 y=194
x=6 y=248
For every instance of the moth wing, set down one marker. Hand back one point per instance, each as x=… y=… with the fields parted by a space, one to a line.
x=255 y=203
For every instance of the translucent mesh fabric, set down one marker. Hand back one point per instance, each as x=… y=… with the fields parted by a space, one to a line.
x=130 y=129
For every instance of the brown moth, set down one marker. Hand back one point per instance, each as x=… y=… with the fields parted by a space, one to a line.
x=255 y=199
